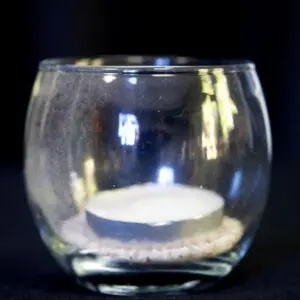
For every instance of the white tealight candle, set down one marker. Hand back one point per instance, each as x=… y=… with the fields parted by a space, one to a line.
x=154 y=212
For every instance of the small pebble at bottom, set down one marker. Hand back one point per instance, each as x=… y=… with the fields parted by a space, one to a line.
x=76 y=231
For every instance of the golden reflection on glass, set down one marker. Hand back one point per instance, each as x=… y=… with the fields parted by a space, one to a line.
x=97 y=62
x=209 y=133
x=82 y=62
x=222 y=110
x=37 y=85
x=226 y=106
x=207 y=87
x=90 y=62
x=89 y=174
x=209 y=117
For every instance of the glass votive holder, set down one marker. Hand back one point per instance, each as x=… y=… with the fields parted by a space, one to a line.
x=147 y=174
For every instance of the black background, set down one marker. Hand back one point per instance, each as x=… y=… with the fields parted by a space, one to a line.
x=265 y=32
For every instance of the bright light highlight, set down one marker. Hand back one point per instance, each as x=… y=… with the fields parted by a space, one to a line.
x=128 y=129
x=165 y=175
x=109 y=78
x=133 y=80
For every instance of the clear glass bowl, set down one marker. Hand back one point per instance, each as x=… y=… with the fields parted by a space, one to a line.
x=147 y=174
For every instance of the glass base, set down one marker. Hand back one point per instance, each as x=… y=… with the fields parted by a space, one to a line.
x=132 y=290
x=106 y=275
x=103 y=275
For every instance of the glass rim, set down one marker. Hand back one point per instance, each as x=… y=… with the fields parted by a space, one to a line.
x=143 y=64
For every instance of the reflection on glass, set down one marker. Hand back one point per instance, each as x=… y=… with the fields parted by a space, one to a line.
x=165 y=175
x=163 y=75
x=183 y=150
x=132 y=80
x=207 y=87
x=78 y=190
x=89 y=62
x=226 y=106
x=37 y=85
x=97 y=62
x=209 y=138
x=128 y=129
x=89 y=174
x=109 y=78
x=209 y=117
x=218 y=107
x=236 y=183
x=162 y=61
x=83 y=62
x=82 y=188
x=135 y=59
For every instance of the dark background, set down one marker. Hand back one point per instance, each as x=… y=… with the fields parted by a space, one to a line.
x=265 y=32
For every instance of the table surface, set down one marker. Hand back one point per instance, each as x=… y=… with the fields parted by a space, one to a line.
x=271 y=270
